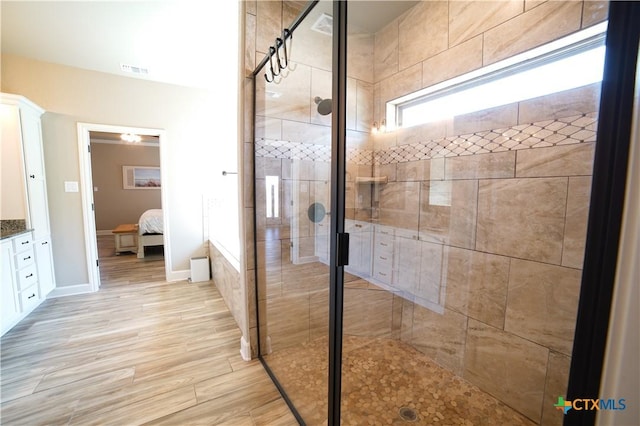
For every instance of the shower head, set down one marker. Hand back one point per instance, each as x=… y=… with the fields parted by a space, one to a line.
x=324 y=105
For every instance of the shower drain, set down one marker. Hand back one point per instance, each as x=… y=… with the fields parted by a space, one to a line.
x=408 y=414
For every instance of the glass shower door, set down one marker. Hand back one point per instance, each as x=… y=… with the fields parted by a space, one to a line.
x=293 y=212
x=470 y=195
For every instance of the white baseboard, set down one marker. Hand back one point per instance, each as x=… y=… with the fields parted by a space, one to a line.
x=70 y=290
x=178 y=275
x=245 y=349
x=104 y=232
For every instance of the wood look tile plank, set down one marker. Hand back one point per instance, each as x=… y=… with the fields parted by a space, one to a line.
x=131 y=353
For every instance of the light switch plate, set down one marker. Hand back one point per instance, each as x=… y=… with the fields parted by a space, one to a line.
x=71 y=186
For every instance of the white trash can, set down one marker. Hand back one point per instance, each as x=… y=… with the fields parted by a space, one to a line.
x=199 y=269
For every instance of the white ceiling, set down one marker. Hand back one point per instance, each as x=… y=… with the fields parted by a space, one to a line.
x=175 y=39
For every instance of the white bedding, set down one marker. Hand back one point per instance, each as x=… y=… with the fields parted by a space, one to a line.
x=151 y=222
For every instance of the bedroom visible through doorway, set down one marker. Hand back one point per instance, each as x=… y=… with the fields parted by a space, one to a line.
x=122 y=196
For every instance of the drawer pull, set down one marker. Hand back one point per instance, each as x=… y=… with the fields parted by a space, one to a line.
x=26 y=258
x=29 y=276
x=382 y=273
x=383 y=244
x=25 y=242
x=45 y=243
x=383 y=258
x=358 y=226
x=32 y=296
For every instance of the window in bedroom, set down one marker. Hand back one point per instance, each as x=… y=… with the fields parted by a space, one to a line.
x=573 y=61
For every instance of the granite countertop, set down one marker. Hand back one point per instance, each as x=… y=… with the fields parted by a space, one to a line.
x=13 y=233
x=12 y=227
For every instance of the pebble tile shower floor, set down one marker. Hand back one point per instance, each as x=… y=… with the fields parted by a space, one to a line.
x=380 y=378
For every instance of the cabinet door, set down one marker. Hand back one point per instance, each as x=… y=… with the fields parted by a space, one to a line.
x=10 y=310
x=408 y=250
x=38 y=208
x=44 y=263
x=34 y=169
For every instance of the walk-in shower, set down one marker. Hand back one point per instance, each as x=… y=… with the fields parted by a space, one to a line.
x=467 y=234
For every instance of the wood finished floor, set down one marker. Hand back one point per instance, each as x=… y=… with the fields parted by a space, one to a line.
x=139 y=351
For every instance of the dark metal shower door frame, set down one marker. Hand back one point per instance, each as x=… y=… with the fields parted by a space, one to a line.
x=605 y=211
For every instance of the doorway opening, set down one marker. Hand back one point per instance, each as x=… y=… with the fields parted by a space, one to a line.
x=124 y=200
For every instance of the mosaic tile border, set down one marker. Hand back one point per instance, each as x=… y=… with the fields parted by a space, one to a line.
x=562 y=131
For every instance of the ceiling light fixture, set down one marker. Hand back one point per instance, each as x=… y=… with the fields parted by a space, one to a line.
x=130 y=137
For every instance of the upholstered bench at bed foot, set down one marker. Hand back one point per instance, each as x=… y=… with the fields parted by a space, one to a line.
x=126 y=236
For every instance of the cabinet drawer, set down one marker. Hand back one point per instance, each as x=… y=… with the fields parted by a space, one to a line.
x=384 y=247
x=27 y=277
x=25 y=258
x=29 y=298
x=22 y=242
x=382 y=272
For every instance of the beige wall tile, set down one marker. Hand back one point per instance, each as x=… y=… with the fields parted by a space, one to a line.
x=250 y=43
x=293 y=100
x=535 y=27
x=251 y=6
x=530 y=4
x=413 y=170
x=453 y=62
x=565 y=160
x=399 y=204
x=320 y=87
x=385 y=51
x=557 y=381
x=542 y=303
x=269 y=24
x=440 y=336
x=470 y=18
x=476 y=285
x=594 y=12
x=448 y=212
x=575 y=229
x=581 y=100
x=364 y=107
x=367 y=312
x=352 y=104
x=290 y=11
x=399 y=84
x=508 y=367
x=522 y=218
x=488 y=119
x=388 y=170
x=481 y=166
x=306 y=133
x=357 y=139
x=288 y=320
x=360 y=58
x=422 y=132
x=268 y=128
x=247 y=174
x=406 y=330
x=423 y=32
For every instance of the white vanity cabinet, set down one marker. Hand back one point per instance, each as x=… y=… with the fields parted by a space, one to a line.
x=21 y=292
x=8 y=297
x=27 y=188
x=360 y=237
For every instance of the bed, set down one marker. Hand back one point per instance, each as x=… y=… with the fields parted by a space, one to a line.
x=150 y=230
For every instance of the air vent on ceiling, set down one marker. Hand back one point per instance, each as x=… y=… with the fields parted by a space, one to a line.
x=324 y=24
x=134 y=69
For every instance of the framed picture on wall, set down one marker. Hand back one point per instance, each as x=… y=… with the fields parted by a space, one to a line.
x=141 y=177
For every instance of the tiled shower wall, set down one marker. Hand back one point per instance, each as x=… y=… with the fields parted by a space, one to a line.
x=518 y=178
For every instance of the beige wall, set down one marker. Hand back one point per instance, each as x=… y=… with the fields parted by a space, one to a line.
x=115 y=205
x=71 y=95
